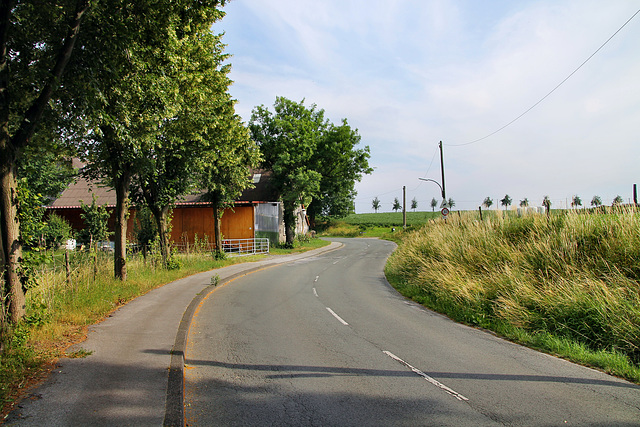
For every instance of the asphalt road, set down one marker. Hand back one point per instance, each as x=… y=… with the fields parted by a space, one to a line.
x=326 y=341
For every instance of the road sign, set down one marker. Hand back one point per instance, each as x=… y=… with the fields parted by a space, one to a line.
x=445 y=212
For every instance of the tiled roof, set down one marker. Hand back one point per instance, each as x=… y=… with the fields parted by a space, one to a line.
x=83 y=190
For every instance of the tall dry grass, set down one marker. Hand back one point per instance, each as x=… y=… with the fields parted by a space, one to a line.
x=574 y=276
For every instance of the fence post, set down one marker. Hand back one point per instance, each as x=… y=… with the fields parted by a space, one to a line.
x=67 y=266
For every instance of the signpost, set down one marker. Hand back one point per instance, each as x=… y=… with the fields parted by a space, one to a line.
x=445 y=212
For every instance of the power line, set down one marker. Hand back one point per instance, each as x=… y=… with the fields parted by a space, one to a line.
x=552 y=90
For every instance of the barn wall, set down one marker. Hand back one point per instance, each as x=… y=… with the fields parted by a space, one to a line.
x=191 y=221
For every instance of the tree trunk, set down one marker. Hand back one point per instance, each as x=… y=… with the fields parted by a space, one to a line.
x=13 y=293
x=217 y=233
x=289 y=223
x=122 y=183
x=160 y=215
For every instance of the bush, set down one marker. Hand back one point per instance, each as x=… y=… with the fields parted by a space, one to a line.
x=56 y=231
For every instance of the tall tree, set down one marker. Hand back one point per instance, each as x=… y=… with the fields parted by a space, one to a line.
x=288 y=139
x=506 y=201
x=487 y=202
x=576 y=201
x=341 y=164
x=134 y=93
x=189 y=145
x=396 y=205
x=524 y=202
x=434 y=203
x=617 y=201
x=224 y=171
x=596 y=201
x=375 y=204
x=414 y=204
x=36 y=42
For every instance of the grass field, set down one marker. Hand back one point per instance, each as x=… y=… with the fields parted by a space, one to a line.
x=569 y=285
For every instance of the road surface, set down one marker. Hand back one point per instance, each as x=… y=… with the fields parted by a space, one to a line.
x=326 y=341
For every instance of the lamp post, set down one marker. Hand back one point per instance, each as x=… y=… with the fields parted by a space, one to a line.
x=444 y=196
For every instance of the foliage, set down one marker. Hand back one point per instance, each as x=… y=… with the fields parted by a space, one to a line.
x=396 y=205
x=617 y=201
x=574 y=276
x=288 y=139
x=375 y=204
x=30 y=214
x=576 y=201
x=505 y=201
x=546 y=202
x=95 y=219
x=487 y=202
x=524 y=203
x=45 y=169
x=57 y=231
x=596 y=201
x=35 y=47
x=451 y=202
x=434 y=203
x=414 y=204
x=341 y=164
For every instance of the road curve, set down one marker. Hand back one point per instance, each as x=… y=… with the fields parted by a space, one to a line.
x=326 y=341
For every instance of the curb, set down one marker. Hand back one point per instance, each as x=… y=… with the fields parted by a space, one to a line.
x=174 y=408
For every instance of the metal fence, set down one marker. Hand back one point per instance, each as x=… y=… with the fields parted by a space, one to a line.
x=246 y=246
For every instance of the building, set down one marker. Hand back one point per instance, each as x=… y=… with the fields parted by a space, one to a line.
x=256 y=213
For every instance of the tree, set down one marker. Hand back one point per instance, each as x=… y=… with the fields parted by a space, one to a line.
x=288 y=139
x=341 y=164
x=375 y=204
x=225 y=170
x=135 y=92
x=451 y=202
x=506 y=201
x=205 y=145
x=36 y=42
x=487 y=202
x=434 y=203
x=546 y=202
x=576 y=201
x=524 y=203
x=396 y=205
x=596 y=201
x=95 y=218
x=414 y=204
x=617 y=201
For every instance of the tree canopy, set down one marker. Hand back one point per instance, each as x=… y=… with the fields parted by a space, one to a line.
x=311 y=158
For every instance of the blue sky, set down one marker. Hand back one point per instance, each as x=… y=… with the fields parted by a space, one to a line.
x=410 y=73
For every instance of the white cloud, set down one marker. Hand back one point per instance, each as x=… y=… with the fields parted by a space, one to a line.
x=408 y=74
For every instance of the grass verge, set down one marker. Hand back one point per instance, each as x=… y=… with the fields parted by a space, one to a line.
x=61 y=307
x=568 y=285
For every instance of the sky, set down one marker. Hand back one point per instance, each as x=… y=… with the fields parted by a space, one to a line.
x=410 y=73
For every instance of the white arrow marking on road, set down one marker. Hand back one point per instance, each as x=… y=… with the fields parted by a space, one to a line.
x=427 y=377
x=337 y=317
x=315 y=292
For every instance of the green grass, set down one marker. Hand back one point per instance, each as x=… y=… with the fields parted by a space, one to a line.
x=58 y=310
x=568 y=285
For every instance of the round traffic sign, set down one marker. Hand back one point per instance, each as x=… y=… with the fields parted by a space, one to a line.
x=445 y=211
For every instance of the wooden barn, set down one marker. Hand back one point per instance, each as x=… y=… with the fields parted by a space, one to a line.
x=256 y=213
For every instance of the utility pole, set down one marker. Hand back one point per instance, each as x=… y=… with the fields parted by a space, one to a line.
x=404 y=207
x=444 y=196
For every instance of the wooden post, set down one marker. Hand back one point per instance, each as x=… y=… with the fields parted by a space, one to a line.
x=67 y=266
x=480 y=209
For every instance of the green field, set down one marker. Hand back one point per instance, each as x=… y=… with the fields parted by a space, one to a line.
x=390 y=218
